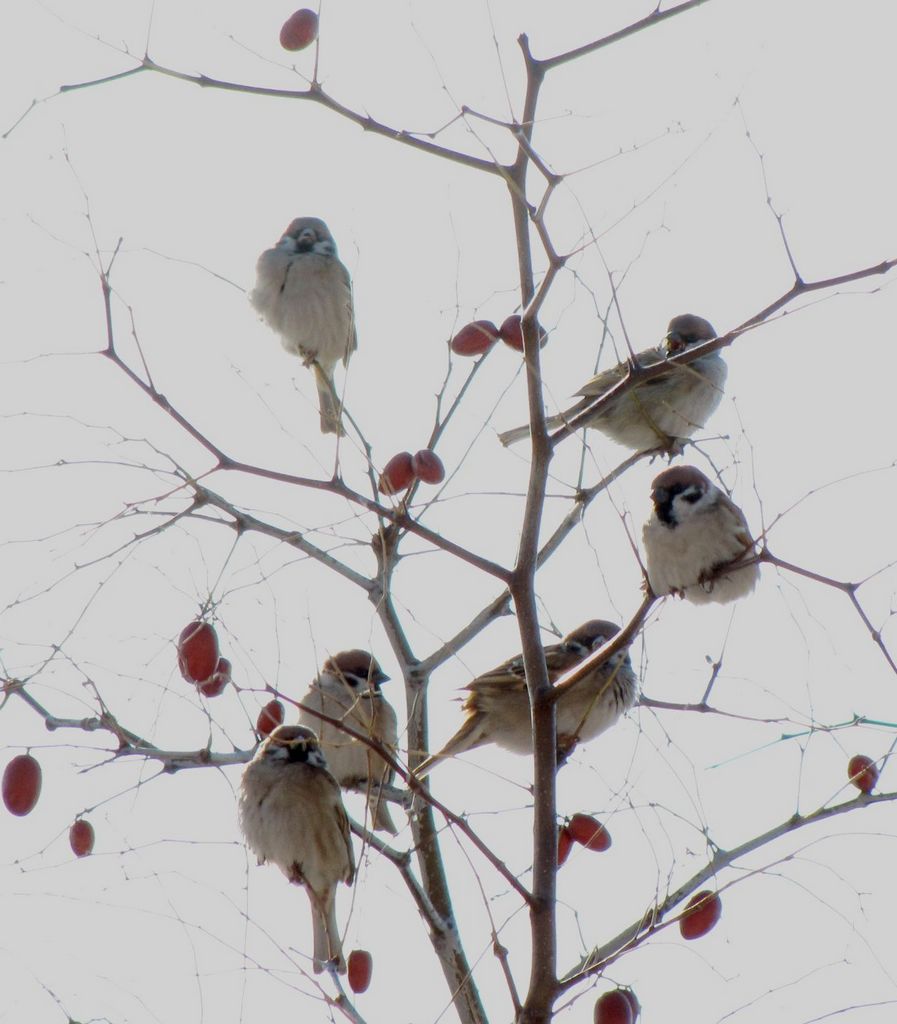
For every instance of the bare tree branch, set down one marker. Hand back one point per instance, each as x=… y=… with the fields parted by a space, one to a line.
x=656 y=17
x=651 y=921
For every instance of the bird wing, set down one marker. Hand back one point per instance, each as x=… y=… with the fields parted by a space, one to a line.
x=602 y=382
x=352 y=343
x=741 y=529
x=343 y=820
x=510 y=675
x=507 y=677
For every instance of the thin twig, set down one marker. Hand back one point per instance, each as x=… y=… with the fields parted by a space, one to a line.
x=636 y=933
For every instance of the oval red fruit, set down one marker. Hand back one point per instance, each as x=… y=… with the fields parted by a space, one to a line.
x=21 y=785
x=427 y=466
x=863 y=773
x=360 y=967
x=589 y=832
x=511 y=332
x=269 y=718
x=634 y=1004
x=701 y=913
x=475 y=338
x=81 y=838
x=197 y=651
x=215 y=684
x=397 y=475
x=565 y=842
x=299 y=30
x=614 y=1008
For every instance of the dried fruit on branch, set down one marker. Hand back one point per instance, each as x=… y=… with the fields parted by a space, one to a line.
x=589 y=832
x=269 y=718
x=863 y=773
x=475 y=338
x=299 y=30
x=565 y=842
x=428 y=467
x=21 y=785
x=218 y=680
x=81 y=838
x=197 y=651
x=397 y=475
x=619 y=1006
x=701 y=913
x=360 y=968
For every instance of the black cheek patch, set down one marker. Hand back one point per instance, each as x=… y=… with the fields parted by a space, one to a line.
x=665 y=512
x=298 y=754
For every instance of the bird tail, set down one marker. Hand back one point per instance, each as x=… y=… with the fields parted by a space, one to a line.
x=328 y=403
x=510 y=437
x=427 y=765
x=381 y=819
x=328 y=947
x=473 y=733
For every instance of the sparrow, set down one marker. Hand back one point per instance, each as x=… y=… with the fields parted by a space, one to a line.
x=498 y=706
x=348 y=688
x=693 y=534
x=292 y=815
x=658 y=411
x=304 y=293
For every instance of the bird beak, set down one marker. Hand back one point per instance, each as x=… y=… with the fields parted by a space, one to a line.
x=674 y=342
x=379 y=677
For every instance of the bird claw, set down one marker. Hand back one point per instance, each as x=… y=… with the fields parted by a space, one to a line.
x=676 y=446
x=565 y=747
x=669 y=447
x=706 y=581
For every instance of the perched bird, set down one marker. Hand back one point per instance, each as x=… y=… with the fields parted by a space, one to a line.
x=348 y=688
x=658 y=411
x=498 y=707
x=292 y=814
x=693 y=534
x=304 y=293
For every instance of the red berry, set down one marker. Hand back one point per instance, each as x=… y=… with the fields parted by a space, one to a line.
x=511 y=332
x=81 y=838
x=615 y=1007
x=269 y=718
x=863 y=773
x=634 y=1004
x=299 y=30
x=397 y=475
x=197 y=651
x=475 y=338
x=360 y=966
x=215 y=684
x=427 y=466
x=565 y=842
x=21 y=785
x=701 y=913
x=590 y=832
